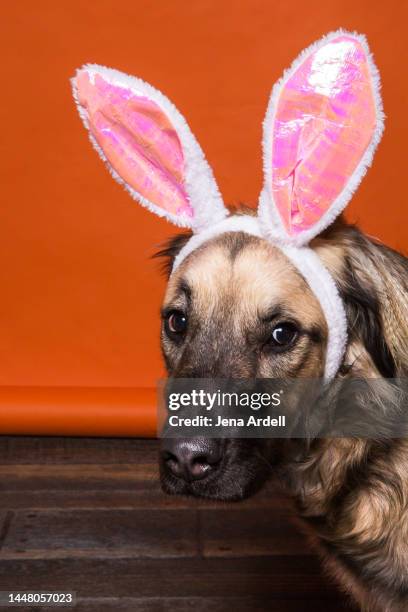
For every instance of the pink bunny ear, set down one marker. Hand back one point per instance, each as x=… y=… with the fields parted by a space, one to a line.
x=323 y=123
x=147 y=146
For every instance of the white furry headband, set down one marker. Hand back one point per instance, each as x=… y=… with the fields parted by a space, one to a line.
x=322 y=126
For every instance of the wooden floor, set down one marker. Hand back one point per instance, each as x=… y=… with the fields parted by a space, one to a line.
x=88 y=515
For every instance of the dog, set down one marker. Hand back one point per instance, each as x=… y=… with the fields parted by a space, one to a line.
x=286 y=293
x=351 y=492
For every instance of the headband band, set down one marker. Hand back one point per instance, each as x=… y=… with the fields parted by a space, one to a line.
x=323 y=123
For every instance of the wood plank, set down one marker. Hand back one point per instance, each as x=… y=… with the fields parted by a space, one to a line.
x=151 y=533
x=277 y=578
x=103 y=533
x=237 y=533
x=99 y=489
x=204 y=604
x=109 y=498
x=78 y=476
x=105 y=498
x=26 y=449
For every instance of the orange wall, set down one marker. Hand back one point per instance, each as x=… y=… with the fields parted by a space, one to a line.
x=80 y=297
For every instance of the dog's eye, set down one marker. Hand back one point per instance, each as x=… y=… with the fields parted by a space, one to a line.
x=283 y=335
x=175 y=323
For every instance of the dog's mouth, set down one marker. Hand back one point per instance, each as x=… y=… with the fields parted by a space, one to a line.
x=228 y=470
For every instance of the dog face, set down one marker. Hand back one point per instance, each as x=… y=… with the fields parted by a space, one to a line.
x=236 y=308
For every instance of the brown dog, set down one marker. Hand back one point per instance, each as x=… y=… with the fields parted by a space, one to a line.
x=355 y=491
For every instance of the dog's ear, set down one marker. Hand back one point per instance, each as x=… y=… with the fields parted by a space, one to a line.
x=169 y=251
x=148 y=146
x=323 y=123
x=373 y=283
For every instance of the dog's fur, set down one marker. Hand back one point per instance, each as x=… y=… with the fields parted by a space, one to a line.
x=352 y=492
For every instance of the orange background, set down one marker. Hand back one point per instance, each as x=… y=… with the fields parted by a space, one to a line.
x=80 y=296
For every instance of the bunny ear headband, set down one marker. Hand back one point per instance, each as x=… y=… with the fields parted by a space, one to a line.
x=323 y=123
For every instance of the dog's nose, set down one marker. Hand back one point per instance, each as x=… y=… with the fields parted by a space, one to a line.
x=191 y=459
